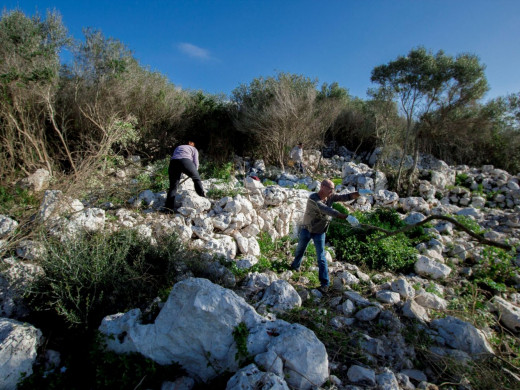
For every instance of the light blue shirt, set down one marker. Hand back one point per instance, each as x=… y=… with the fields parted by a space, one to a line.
x=186 y=151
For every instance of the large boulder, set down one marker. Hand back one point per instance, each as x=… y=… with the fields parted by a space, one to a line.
x=196 y=327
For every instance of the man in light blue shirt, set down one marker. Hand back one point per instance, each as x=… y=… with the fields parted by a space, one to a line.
x=185 y=159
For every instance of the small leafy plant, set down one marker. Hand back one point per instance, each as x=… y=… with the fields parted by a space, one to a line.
x=462 y=180
x=495 y=269
x=240 y=335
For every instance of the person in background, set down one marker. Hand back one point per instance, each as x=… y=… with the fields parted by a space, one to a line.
x=185 y=159
x=316 y=220
x=297 y=156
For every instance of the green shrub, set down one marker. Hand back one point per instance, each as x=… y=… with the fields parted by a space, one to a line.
x=217 y=171
x=495 y=270
x=369 y=247
x=275 y=255
x=240 y=335
x=161 y=180
x=337 y=181
x=469 y=223
x=218 y=193
x=301 y=186
x=95 y=275
x=462 y=180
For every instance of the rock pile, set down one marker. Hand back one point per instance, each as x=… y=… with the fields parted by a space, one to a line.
x=286 y=355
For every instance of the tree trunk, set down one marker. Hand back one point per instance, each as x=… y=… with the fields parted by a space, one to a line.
x=414 y=166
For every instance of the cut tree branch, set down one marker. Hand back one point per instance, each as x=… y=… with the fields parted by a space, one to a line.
x=478 y=237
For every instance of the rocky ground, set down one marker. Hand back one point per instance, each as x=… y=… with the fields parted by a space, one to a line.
x=374 y=329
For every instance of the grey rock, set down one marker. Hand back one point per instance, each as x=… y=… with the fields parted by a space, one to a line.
x=361 y=375
x=462 y=335
x=251 y=378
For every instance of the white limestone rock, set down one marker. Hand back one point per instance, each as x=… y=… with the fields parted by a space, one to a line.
x=219 y=244
x=55 y=204
x=18 y=349
x=361 y=376
x=387 y=296
x=404 y=288
x=425 y=266
x=7 y=226
x=250 y=377
x=431 y=301
x=508 y=313
x=280 y=297
x=36 y=182
x=462 y=335
x=215 y=312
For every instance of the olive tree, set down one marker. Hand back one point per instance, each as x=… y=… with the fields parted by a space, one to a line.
x=428 y=87
x=386 y=121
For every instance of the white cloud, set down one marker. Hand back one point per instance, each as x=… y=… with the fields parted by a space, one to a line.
x=194 y=51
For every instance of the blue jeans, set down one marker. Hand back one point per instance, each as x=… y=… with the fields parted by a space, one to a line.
x=319 y=243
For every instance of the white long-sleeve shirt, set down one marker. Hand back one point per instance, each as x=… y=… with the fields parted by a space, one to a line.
x=297 y=154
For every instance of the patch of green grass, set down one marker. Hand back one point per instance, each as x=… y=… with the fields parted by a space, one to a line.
x=16 y=202
x=240 y=335
x=160 y=178
x=156 y=179
x=469 y=223
x=469 y=303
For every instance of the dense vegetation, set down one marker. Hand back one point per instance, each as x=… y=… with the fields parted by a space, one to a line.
x=370 y=248
x=71 y=117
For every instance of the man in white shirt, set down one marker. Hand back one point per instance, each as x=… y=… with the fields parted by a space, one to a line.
x=297 y=156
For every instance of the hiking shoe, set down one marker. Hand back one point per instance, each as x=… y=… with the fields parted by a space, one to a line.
x=294 y=269
x=323 y=289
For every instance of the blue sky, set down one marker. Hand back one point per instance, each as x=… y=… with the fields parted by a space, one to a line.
x=215 y=46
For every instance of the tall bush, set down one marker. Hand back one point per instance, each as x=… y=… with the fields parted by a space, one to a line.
x=280 y=111
x=29 y=65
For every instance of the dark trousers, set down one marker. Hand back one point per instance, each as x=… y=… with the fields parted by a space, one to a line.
x=175 y=170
